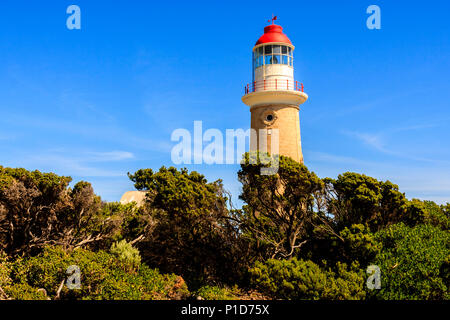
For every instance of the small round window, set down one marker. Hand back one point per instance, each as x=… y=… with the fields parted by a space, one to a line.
x=269 y=117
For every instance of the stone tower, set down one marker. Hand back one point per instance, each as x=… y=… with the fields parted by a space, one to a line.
x=274 y=96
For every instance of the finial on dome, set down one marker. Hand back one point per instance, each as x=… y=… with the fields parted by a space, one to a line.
x=273 y=19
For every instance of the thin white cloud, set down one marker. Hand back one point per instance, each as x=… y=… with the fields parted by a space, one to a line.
x=110 y=132
x=74 y=102
x=109 y=156
x=76 y=163
x=330 y=158
x=425 y=181
x=378 y=141
x=373 y=140
x=66 y=166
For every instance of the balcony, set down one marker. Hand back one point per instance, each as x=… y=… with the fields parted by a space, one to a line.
x=273 y=85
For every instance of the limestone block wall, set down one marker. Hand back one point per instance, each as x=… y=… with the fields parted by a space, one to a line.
x=285 y=118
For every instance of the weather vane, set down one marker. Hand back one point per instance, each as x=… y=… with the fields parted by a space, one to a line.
x=273 y=19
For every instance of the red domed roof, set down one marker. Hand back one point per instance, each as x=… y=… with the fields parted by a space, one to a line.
x=273 y=33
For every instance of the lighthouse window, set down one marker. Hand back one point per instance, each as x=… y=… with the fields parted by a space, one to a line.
x=276 y=59
x=259 y=62
x=272 y=54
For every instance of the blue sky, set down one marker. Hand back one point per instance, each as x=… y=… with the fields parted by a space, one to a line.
x=102 y=101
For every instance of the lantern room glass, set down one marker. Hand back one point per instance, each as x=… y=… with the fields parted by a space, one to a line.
x=272 y=54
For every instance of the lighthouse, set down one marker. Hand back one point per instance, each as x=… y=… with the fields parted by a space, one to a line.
x=274 y=96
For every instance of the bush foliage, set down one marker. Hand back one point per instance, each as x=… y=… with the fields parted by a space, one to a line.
x=216 y=293
x=298 y=279
x=193 y=235
x=126 y=254
x=413 y=262
x=103 y=276
x=297 y=236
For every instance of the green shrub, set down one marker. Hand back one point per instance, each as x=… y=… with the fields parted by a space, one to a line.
x=23 y=291
x=445 y=271
x=217 y=293
x=126 y=254
x=359 y=199
x=432 y=213
x=192 y=234
x=280 y=207
x=298 y=279
x=347 y=283
x=4 y=274
x=353 y=243
x=130 y=220
x=4 y=269
x=359 y=244
x=103 y=276
x=412 y=262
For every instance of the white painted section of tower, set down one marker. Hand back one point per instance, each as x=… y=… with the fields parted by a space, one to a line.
x=277 y=76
